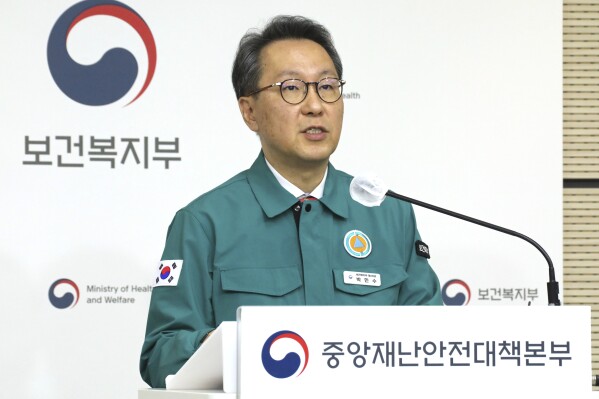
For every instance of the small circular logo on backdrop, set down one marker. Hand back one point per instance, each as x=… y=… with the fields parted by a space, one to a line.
x=357 y=244
x=288 y=365
x=456 y=293
x=109 y=79
x=69 y=298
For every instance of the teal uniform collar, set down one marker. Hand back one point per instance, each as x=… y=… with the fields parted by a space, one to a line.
x=336 y=193
x=274 y=199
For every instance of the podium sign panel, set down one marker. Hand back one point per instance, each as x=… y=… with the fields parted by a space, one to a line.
x=390 y=352
x=213 y=366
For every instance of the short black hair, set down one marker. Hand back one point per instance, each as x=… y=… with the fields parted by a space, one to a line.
x=246 y=67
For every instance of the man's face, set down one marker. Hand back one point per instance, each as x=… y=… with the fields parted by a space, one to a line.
x=300 y=135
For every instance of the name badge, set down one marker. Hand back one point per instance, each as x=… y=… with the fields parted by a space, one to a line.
x=360 y=278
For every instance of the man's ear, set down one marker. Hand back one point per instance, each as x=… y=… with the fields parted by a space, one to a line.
x=246 y=107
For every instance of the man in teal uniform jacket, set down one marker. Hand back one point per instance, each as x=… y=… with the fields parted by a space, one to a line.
x=285 y=231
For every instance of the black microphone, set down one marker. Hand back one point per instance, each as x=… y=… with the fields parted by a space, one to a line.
x=371 y=191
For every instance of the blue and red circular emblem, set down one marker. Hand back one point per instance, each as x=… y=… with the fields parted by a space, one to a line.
x=165 y=272
x=69 y=298
x=109 y=79
x=456 y=293
x=288 y=365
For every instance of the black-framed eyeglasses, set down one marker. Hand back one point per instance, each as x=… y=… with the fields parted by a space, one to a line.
x=294 y=91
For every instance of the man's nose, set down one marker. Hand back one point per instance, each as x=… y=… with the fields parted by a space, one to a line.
x=313 y=103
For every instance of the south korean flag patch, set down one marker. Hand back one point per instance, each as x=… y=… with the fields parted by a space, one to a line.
x=168 y=272
x=422 y=250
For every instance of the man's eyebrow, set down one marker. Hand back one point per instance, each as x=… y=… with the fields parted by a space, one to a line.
x=293 y=74
x=287 y=73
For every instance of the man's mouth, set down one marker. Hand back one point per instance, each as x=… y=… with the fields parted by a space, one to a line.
x=314 y=130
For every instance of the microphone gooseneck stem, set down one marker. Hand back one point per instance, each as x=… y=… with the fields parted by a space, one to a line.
x=552 y=285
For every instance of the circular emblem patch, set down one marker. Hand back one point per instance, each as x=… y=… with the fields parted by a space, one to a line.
x=357 y=244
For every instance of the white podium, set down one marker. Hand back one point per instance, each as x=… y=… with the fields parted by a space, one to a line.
x=390 y=352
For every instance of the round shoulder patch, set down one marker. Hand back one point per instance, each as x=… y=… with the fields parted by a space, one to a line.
x=357 y=244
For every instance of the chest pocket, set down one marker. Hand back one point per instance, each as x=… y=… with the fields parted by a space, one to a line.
x=267 y=281
x=391 y=275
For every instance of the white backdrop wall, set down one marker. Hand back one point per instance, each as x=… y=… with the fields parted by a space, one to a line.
x=457 y=103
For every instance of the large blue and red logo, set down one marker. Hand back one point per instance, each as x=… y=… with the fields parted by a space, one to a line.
x=109 y=79
x=69 y=290
x=456 y=293
x=291 y=362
